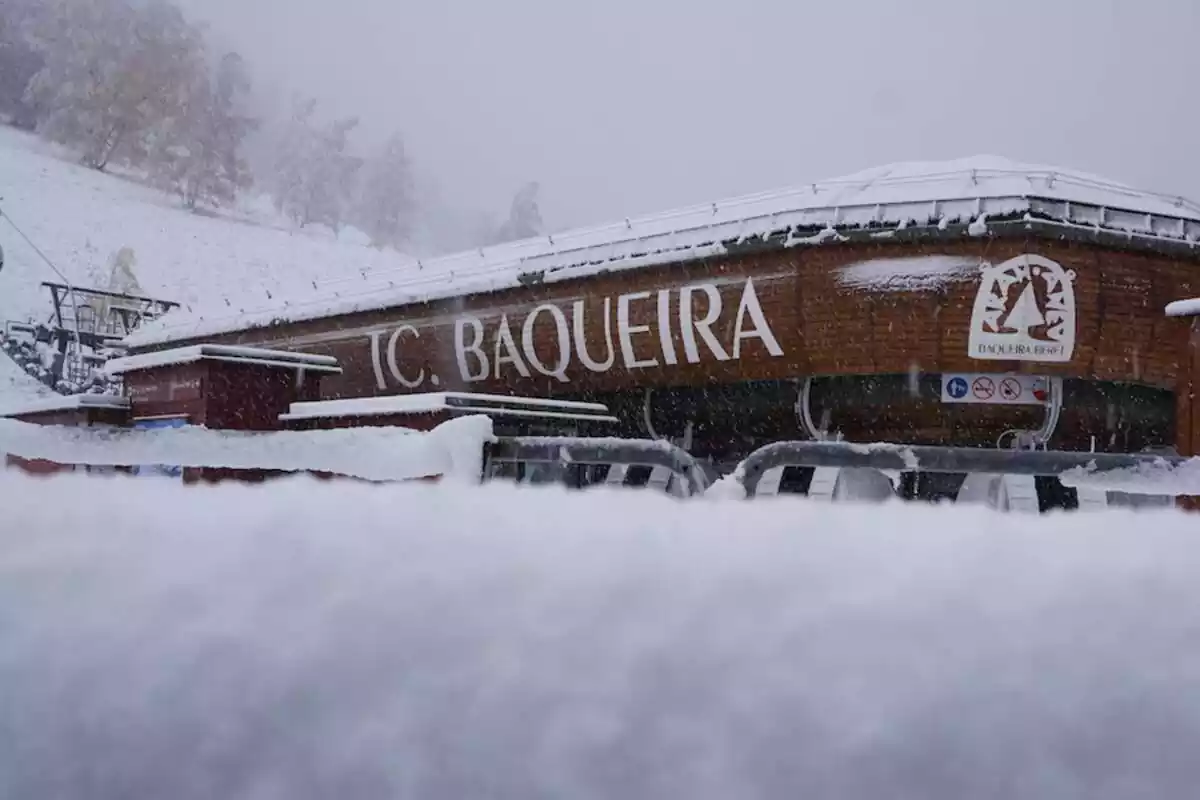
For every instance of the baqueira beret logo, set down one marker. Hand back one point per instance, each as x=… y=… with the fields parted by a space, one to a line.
x=1024 y=311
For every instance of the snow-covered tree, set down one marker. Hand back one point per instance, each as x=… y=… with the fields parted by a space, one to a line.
x=19 y=61
x=114 y=72
x=199 y=157
x=293 y=146
x=524 y=218
x=385 y=206
x=315 y=177
x=338 y=170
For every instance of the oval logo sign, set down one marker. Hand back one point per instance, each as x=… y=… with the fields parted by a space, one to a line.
x=1024 y=311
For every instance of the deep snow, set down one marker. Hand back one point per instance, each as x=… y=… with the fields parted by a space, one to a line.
x=302 y=640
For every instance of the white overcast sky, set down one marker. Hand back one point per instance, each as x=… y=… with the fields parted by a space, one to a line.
x=621 y=107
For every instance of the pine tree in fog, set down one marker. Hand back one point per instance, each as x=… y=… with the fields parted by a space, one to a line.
x=199 y=157
x=293 y=145
x=115 y=73
x=524 y=218
x=338 y=171
x=385 y=207
x=315 y=177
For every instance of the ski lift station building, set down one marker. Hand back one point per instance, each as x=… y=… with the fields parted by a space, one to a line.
x=978 y=302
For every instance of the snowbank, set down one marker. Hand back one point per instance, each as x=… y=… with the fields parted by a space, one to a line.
x=454 y=448
x=304 y=641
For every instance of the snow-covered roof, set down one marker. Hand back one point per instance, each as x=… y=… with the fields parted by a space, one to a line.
x=457 y=402
x=884 y=198
x=1184 y=308
x=220 y=352
x=73 y=402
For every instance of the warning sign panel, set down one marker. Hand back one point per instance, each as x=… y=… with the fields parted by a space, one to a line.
x=983 y=388
x=973 y=387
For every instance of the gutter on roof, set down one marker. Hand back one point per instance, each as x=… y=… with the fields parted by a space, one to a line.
x=1013 y=228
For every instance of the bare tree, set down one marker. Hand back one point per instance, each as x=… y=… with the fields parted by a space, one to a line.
x=200 y=156
x=385 y=206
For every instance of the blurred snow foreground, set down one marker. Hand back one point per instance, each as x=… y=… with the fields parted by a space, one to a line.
x=305 y=639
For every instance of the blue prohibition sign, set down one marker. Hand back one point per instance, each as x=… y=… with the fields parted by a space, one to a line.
x=957 y=388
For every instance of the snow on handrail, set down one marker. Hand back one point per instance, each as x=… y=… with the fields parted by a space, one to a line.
x=1130 y=472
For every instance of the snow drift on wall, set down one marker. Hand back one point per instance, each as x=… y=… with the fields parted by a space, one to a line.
x=919 y=273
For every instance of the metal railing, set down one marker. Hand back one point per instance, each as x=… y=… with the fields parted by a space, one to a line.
x=925 y=458
x=566 y=452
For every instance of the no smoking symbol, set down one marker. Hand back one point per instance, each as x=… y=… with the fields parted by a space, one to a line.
x=1010 y=389
x=983 y=388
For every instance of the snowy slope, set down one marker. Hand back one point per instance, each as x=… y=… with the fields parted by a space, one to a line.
x=963 y=189
x=16 y=387
x=81 y=218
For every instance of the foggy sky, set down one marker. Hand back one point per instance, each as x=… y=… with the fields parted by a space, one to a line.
x=630 y=106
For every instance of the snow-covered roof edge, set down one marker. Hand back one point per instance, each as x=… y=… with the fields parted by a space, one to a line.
x=433 y=402
x=73 y=402
x=883 y=200
x=219 y=352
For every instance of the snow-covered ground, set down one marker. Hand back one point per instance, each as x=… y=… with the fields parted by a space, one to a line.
x=307 y=640
x=81 y=218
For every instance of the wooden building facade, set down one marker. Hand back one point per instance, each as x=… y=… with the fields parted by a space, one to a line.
x=836 y=321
